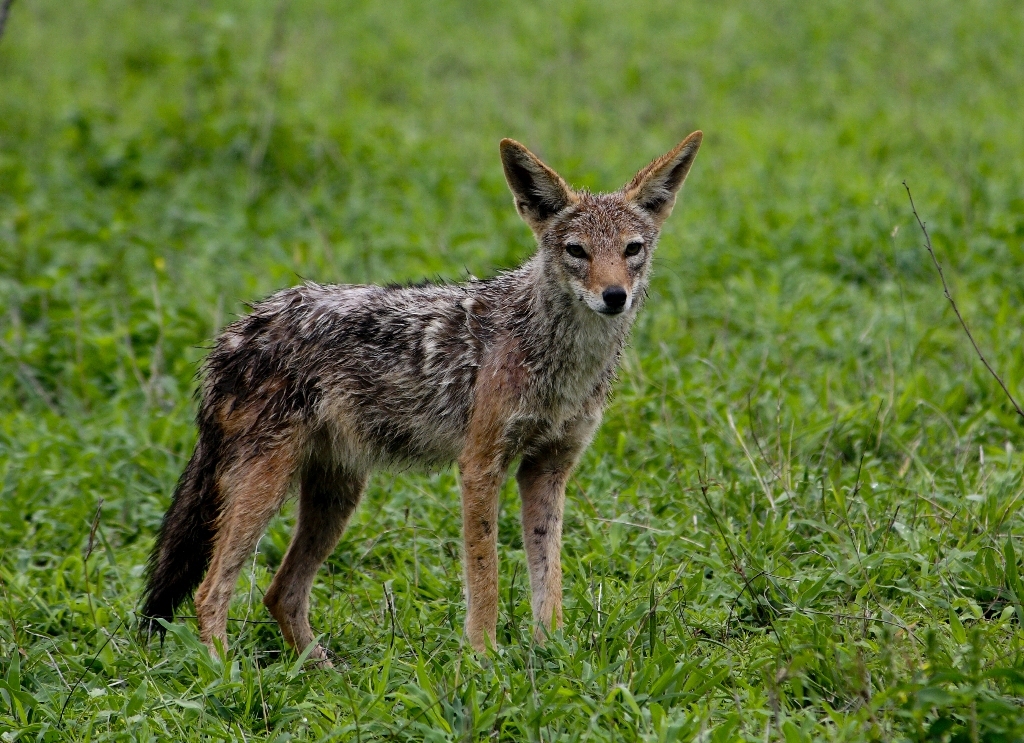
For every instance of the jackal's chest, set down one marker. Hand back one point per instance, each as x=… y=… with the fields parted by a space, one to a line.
x=565 y=388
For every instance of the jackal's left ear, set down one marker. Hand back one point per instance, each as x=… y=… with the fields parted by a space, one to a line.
x=539 y=192
x=655 y=187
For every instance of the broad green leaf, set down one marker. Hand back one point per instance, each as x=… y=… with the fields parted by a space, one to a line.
x=138 y=698
x=956 y=627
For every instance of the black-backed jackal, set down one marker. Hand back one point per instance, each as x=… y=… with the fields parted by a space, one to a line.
x=321 y=385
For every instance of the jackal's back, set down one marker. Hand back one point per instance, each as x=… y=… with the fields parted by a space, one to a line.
x=385 y=374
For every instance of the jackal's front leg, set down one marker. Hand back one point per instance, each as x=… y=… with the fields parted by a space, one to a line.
x=542 y=478
x=542 y=489
x=481 y=481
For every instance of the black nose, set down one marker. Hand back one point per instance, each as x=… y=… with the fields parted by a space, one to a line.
x=614 y=298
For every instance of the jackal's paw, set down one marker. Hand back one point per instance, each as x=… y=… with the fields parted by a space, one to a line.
x=544 y=631
x=480 y=640
x=542 y=634
x=319 y=659
x=218 y=647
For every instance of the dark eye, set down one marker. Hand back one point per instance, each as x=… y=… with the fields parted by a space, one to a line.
x=575 y=250
x=634 y=248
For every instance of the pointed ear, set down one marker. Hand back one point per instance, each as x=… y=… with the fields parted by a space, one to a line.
x=654 y=188
x=540 y=193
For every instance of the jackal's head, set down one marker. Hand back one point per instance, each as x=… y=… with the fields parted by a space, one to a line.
x=598 y=246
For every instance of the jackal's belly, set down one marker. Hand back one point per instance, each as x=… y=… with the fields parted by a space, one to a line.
x=411 y=425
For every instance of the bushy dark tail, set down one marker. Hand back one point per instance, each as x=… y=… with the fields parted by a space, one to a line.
x=185 y=544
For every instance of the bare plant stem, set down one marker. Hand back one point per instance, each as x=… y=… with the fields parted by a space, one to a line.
x=952 y=302
x=88 y=554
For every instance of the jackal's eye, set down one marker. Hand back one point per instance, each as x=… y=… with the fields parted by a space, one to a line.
x=575 y=250
x=634 y=248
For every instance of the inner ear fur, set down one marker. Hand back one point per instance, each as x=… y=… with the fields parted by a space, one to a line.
x=539 y=192
x=655 y=187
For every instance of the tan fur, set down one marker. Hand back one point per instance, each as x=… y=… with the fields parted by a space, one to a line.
x=541 y=479
x=254 y=491
x=483 y=464
x=608 y=267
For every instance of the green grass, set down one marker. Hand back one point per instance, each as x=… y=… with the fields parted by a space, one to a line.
x=801 y=517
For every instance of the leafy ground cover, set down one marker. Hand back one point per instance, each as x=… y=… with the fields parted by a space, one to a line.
x=800 y=520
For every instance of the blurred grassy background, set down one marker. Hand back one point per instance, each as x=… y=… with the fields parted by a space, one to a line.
x=162 y=164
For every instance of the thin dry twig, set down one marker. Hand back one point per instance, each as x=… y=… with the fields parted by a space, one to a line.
x=5 y=9
x=85 y=669
x=92 y=530
x=737 y=566
x=945 y=289
x=88 y=554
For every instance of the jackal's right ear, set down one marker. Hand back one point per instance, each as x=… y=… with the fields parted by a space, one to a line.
x=540 y=193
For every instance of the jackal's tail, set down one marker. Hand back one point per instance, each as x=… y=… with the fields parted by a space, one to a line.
x=185 y=544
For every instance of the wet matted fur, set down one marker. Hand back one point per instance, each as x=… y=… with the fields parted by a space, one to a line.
x=321 y=385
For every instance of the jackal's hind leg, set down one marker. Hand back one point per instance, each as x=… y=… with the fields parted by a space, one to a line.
x=253 y=489
x=327 y=498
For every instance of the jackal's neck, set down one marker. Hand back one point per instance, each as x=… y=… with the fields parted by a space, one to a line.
x=570 y=346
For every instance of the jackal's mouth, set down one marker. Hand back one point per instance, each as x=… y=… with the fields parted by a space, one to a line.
x=612 y=311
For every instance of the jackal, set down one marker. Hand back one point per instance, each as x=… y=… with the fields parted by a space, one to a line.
x=321 y=385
